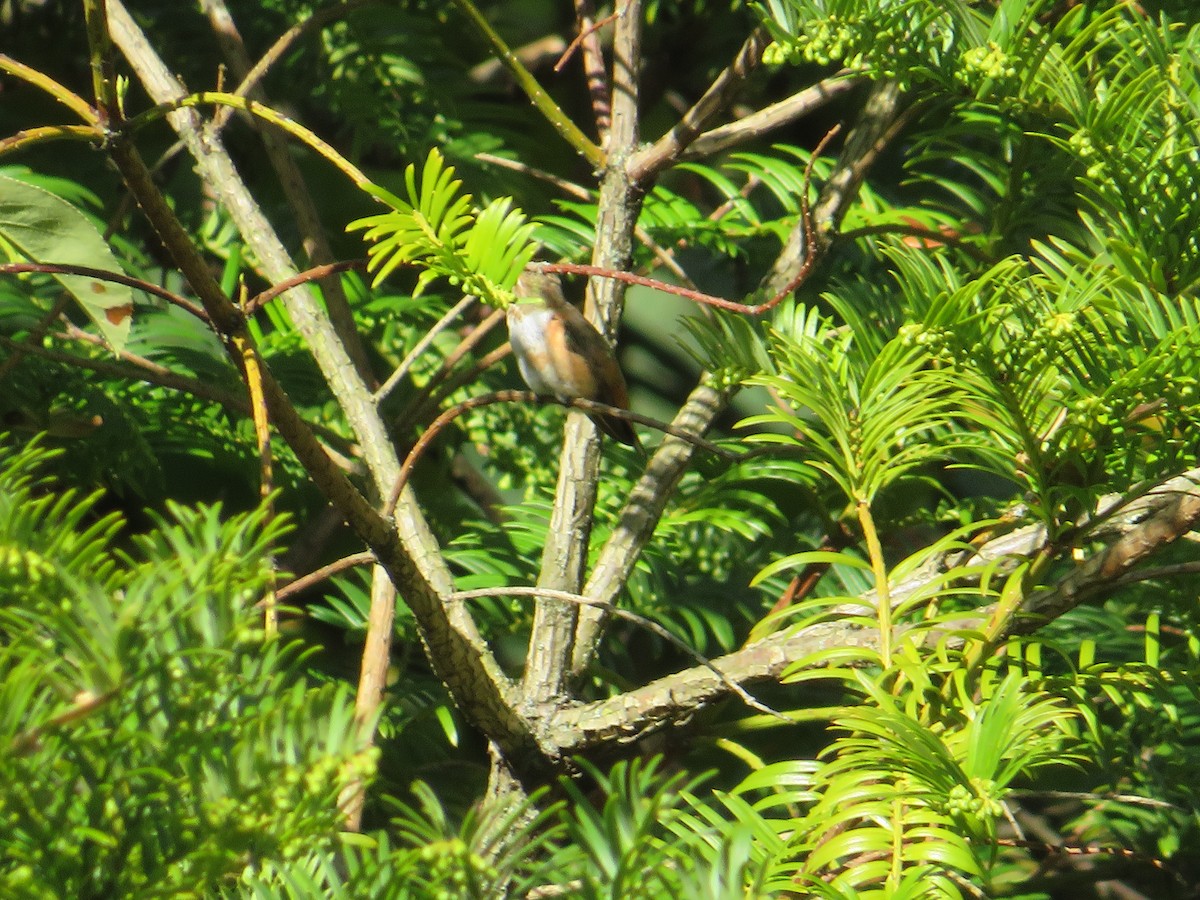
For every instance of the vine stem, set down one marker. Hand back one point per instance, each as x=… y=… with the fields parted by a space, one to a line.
x=260 y=111
x=253 y=376
x=545 y=104
x=883 y=598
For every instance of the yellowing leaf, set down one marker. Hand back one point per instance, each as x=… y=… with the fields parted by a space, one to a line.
x=42 y=227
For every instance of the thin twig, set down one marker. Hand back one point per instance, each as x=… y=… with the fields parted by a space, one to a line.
x=1076 y=852
x=259 y=110
x=141 y=369
x=770 y=118
x=36 y=334
x=304 y=582
x=662 y=254
x=59 y=92
x=282 y=44
x=587 y=28
x=135 y=368
x=593 y=65
x=432 y=401
x=316 y=273
x=813 y=253
x=931 y=238
x=31 y=137
x=1154 y=574
x=649 y=162
x=104 y=275
x=569 y=188
x=252 y=374
x=1133 y=799
x=513 y=396
x=442 y=377
x=641 y=621
x=752 y=181
x=85 y=704
x=545 y=104
x=421 y=346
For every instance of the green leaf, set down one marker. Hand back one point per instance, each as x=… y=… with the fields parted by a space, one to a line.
x=438 y=231
x=38 y=226
x=810 y=558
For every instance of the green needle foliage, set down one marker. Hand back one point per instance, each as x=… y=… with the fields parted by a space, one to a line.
x=1000 y=347
x=480 y=251
x=154 y=744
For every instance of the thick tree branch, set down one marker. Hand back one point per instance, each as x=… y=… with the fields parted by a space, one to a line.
x=770 y=118
x=1176 y=511
x=308 y=221
x=459 y=658
x=639 y=518
x=456 y=650
x=646 y=164
x=1135 y=529
x=566 y=550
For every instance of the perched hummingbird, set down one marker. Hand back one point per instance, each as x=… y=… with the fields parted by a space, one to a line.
x=561 y=354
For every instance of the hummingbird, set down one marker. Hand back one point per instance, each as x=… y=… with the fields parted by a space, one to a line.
x=561 y=354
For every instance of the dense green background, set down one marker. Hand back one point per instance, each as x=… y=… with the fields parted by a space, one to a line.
x=1062 y=301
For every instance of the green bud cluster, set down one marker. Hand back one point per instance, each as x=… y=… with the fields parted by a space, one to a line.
x=975 y=799
x=988 y=61
x=454 y=869
x=825 y=41
x=27 y=566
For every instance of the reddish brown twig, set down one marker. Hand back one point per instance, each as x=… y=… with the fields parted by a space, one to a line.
x=813 y=250
x=511 y=396
x=587 y=28
x=316 y=273
x=104 y=275
x=318 y=575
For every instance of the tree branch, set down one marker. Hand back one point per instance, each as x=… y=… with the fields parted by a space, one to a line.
x=772 y=117
x=104 y=275
x=1136 y=529
x=1176 y=511
x=863 y=146
x=545 y=104
x=44 y=82
x=641 y=621
x=646 y=164
x=593 y=66
x=299 y=198
x=406 y=548
x=638 y=519
x=566 y=550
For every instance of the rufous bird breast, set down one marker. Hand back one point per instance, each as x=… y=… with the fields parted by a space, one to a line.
x=561 y=354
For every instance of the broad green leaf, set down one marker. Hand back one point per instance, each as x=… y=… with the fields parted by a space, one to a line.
x=38 y=226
